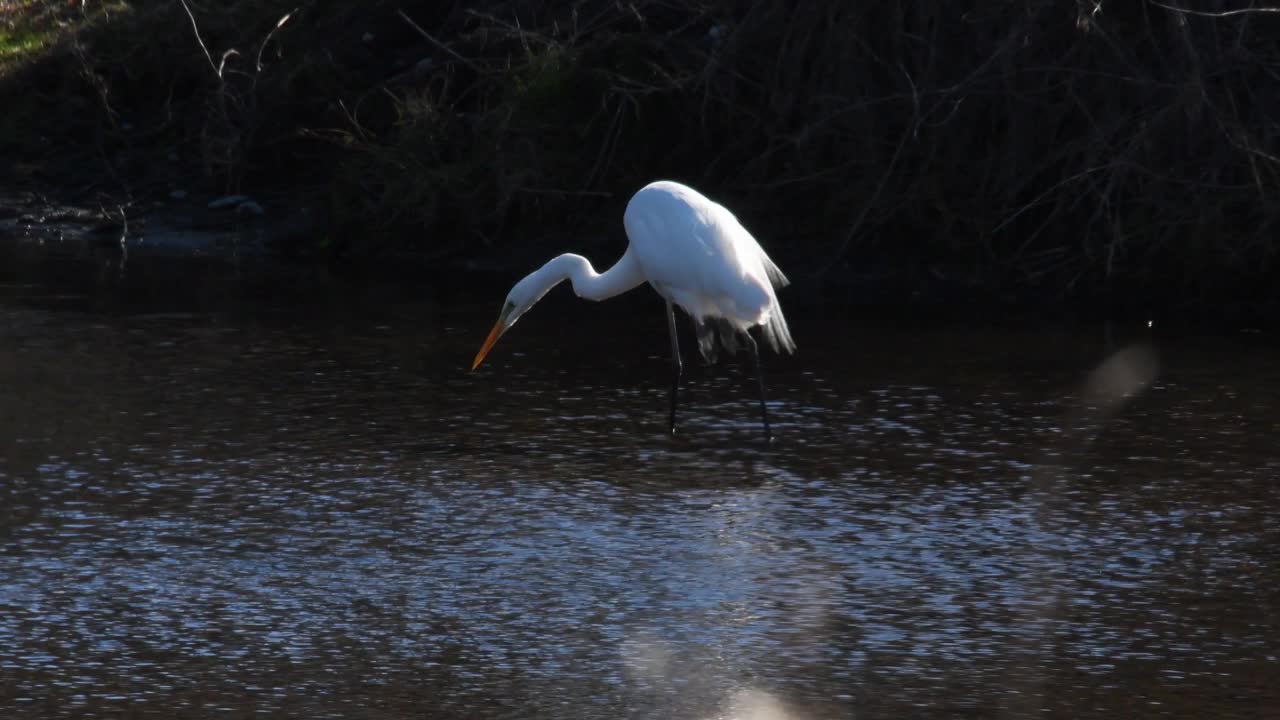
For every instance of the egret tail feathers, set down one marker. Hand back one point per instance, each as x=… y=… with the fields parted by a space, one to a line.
x=774 y=274
x=715 y=333
x=776 y=332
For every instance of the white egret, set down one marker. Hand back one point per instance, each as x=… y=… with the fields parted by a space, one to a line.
x=695 y=254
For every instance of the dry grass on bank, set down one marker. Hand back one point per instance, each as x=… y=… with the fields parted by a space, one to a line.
x=1073 y=147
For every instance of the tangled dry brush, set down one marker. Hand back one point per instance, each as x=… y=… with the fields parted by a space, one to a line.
x=1073 y=147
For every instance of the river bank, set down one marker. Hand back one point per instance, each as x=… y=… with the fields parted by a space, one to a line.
x=1036 y=159
x=197 y=253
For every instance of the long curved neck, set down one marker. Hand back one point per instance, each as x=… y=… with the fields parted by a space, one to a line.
x=587 y=283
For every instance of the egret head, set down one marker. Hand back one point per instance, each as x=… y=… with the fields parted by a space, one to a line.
x=522 y=297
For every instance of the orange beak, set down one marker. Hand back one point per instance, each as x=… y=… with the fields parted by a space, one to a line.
x=494 y=334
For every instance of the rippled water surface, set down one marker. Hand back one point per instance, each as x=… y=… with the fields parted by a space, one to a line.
x=322 y=513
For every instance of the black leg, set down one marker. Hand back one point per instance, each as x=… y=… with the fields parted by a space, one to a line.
x=764 y=408
x=675 y=364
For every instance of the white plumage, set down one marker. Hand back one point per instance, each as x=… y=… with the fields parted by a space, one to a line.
x=695 y=254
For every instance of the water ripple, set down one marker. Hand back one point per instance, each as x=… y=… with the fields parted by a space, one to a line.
x=205 y=516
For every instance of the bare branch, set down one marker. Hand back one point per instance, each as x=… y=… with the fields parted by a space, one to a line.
x=279 y=24
x=1046 y=193
x=1225 y=13
x=437 y=43
x=196 y=29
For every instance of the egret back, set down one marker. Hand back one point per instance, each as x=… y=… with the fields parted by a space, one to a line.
x=696 y=253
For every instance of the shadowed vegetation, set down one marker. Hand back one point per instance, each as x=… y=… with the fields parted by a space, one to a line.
x=1042 y=148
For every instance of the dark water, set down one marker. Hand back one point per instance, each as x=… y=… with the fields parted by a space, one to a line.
x=320 y=513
